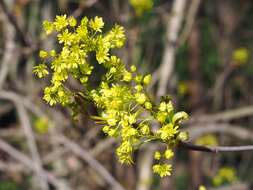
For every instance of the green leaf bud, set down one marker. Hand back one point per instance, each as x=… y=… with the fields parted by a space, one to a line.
x=183 y=136
x=179 y=117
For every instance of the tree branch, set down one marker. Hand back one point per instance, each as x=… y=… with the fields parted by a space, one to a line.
x=13 y=21
x=223 y=116
x=30 y=164
x=216 y=149
x=173 y=27
x=25 y=123
x=239 y=132
x=76 y=149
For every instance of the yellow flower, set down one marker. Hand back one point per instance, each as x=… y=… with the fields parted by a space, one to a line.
x=168 y=154
x=140 y=98
x=207 y=140
x=148 y=105
x=48 y=27
x=202 y=187
x=60 y=22
x=141 y=6
x=167 y=132
x=40 y=70
x=157 y=155
x=133 y=68
x=225 y=175
x=162 y=169
x=72 y=21
x=97 y=24
x=147 y=79
x=127 y=77
x=43 y=54
x=41 y=125
x=241 y=56
x=145 y=129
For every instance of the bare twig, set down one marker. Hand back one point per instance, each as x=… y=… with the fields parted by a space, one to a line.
x=145 y=172
x=22 y=158
x=238 y=186
x=190 y=18
x=223 y=116
x=13 y=21
x=25 y=123
x=82 y=6
x=9 y=53
x=101 y=146
x=173 y=28
x=216 y=149
x=236 y=131
x=75 y=148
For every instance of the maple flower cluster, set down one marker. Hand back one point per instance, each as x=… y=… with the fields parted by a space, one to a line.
x=125 y=109
x=141 y=6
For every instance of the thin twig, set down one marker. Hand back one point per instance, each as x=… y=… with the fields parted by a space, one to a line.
x=13 y=21
x=22 y=158
x=173 y=28
x=75 y=148
x=25 y=123
x=195 y=131
x=9 y=53
x=216 y=149
x=190 y=18
x=82 y=6
x=223 y=116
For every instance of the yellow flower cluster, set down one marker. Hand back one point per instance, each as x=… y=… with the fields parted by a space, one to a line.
x=240 y=56
x=207 y=140
x=141 y=6
x=225 y=175
x=121 y=96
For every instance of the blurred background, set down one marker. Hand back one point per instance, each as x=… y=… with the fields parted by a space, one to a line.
x=199 y=52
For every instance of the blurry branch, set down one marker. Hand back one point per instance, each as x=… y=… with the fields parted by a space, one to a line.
x=25 y=123
x=75 y=148
x=216 y=149
x=22 y=158
x=190 y=18
x=223 y=116
x=239 y=132
x=10 y=132
x=98 y=149
x=145 y=172
x=12 y=167
x=218 y=90
x=239 y=186
x=83 y=5
x=13 y=21
x=101 y=146
x=5 y=108
x=9 y=51
x=173 y=27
